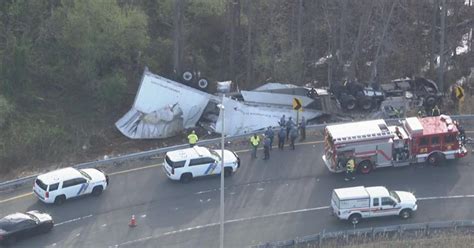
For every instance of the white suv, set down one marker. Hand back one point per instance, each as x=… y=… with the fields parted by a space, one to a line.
x=59 y=185
x=185 y=164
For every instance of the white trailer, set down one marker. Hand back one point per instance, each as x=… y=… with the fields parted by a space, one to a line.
x=355 y=203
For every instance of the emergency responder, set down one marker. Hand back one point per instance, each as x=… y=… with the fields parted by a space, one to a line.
x=350 y=167
x=420 y=113
x=435 y=111
x=293 y=136
x=303 y=128
x=289 y=125
x=254 y=142
x=282 y=121
x=192 y=138
x=281 y=138
x=266 y=148
x=270 y=134
x=462 y=132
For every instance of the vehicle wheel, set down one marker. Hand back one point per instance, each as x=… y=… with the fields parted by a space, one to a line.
x=405 y=214
x=365 y=104
x=187 y=76
x=430 y=101
x=97 y=190
x=355 y=219
x=434 y=159
x=186 y=178
x=365 y=167
x=227 y=172
x=203 y=83
x=59 y=200
x=350 y=103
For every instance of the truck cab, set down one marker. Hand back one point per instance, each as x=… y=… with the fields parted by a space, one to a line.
x=356 y=203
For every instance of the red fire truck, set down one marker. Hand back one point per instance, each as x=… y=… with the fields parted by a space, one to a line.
x=373 y=144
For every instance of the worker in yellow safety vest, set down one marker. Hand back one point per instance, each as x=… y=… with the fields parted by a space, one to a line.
x=254 y=142
x=350 y=167
x=192 y=138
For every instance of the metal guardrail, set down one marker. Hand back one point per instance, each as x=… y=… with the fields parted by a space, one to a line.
x=345 y=237
x=151 y=153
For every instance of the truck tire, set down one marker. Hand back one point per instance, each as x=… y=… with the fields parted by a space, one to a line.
x=365 y=103
x=355 y=219
x=430 y=101
x=435 y=159
x=365 y=167
x=349 y=103
x=187 y=76
x=203 y=83
x=405 y=214
x=186 y=178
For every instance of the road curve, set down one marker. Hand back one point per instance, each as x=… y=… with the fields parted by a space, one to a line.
x=279 y=199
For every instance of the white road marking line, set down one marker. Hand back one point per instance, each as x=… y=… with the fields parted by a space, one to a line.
x=444 y=197
x=73 y=220
x=216 y=224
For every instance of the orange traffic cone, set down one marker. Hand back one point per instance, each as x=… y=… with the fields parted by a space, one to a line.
x=133 y=222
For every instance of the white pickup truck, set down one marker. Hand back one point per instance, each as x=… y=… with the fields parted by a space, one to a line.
x=355 y=203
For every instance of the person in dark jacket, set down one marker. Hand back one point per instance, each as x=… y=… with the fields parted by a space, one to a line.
x=270 y=134
x=293 y=136
x=303 y=128
x=281 y=138
x=266 y=148
x=289 y=125
x=282 y=121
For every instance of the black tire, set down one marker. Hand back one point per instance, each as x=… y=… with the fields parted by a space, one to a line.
x=350 y=103
x=97 y=190
x=430 y=101
x=365 y=103
x=405 y=214
x=365 y=167
x=227 y=172
x=187 y=76
x=203 y=83
x=355 y=219
x=60 y=199
x=434 y=159
x=186 y=178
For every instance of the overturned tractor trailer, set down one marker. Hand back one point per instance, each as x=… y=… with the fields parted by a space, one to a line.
x=373 y=144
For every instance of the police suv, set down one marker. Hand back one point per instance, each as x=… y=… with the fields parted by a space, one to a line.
x=197 y=161
x=59 y=185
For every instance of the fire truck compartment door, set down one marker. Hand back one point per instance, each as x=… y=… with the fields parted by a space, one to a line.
x=384 y=154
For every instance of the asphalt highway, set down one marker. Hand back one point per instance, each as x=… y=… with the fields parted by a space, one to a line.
x=282 y=198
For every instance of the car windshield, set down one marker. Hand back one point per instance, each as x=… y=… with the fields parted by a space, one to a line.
x=215 y=153
x=395 y=195
x=85 y=174
x=33 y=217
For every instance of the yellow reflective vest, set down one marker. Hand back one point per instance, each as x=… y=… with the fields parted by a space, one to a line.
x=254 y=140
x=193 y=138
x=350 y=165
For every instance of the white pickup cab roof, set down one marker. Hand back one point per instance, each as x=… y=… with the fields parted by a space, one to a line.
x=360 y=192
